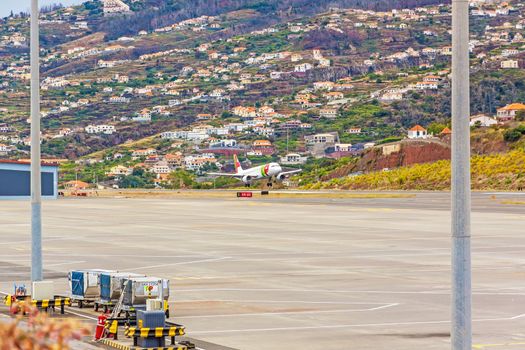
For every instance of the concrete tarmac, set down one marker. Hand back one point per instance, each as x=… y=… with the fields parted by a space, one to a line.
x=305 y=273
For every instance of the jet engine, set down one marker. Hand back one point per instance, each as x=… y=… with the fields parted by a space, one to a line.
x=246 y=179
x=281 y=177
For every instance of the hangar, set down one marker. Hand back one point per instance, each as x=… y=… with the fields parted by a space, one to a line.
x=15 y=180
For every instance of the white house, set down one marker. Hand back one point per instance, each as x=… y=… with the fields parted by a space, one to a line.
x=427 y=85
x=100 y=129
x=417 y=132
x=510 y=64
x=343 y=147
x=329 y=113
x=509 y=112
x=482 y=120
x=354 y=130
x=303 y=67
x=293 y=159
x=161 y=167
x=119 y=99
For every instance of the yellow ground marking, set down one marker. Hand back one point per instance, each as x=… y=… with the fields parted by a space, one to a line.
x=513 y=202
x=486 y=346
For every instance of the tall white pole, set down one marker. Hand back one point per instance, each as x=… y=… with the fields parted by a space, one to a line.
x=36 y=192
x=461 y=332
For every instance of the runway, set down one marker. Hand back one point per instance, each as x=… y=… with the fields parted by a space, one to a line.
x=297 y=273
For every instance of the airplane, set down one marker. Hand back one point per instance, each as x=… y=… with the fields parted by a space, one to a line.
x=270 y=171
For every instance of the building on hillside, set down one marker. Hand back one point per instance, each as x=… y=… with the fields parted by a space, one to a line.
x=264 y=147
x=417 y=132
x=161 y=167
x=482 y=120
x=354 y=131
x=293 y=159
x=322 y=138
x=509 y=112
x=114 y=7
x=119 y=170
x=245 y=112
x=510 y=64
x=323 y=85
x=119 y=99
x=174 y=160
x=143 y=152
x=5 y=149
x=329 y=113
x=427 y=85
x=334 y=95
x=343 y=147
x=195 y=162
x=445 y=132
x=303 y=67
x=100 y=129
x=391 y=96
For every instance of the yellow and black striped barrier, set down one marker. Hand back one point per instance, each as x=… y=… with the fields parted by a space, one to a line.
x=112 y=328
x=46 y=303
x=154 y=332
x=180 y=347
x=121 y=346
x=41 y=304
x=52 y=303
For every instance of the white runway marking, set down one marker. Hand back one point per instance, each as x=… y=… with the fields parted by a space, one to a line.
x=292 y=312
x=46 y=265
x=386 y=324
x=178 y=263
x=65 y=263
x=45 y=240
x=89 y=255
x=81 y=315
x=443 y=292
x=266 y=301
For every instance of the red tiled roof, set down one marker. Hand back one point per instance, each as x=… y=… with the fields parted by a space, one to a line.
x=418 y=128
x=513 y=106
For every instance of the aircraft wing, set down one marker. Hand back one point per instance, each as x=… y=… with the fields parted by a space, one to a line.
x=291 y=172
x=224 y=174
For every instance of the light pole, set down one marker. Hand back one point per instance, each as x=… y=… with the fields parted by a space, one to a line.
x=461 y=327
x=36 y=192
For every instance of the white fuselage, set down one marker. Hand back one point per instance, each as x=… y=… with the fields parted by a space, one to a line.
x=266 y=171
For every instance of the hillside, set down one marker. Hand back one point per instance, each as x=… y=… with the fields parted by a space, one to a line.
x=505 y=172
x=152 y=14
x=164 y=85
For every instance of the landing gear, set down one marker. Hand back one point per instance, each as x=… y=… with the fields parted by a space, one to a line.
x=269 y=184
x=247 y=185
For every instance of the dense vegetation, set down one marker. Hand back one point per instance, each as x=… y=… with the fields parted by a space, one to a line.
x=489 y=172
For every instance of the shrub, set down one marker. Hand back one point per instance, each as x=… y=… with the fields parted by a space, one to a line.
x=512 y=135
x=40 y=333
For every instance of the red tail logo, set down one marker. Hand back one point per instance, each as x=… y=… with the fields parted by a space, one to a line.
x=237 y=163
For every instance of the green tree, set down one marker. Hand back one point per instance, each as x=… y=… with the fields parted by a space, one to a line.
x=181 y=179
x=435 y=128
x=132 y=181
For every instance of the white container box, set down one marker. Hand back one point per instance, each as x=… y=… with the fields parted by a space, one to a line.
x=154 y=304
x=43 y=290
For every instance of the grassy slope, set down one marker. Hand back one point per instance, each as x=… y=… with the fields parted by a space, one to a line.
x=489 y=172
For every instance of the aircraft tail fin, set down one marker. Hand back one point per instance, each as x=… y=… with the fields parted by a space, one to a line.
x=238 y=166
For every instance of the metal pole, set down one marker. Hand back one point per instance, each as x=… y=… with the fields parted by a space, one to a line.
x=36 y=194
x=461 y=330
